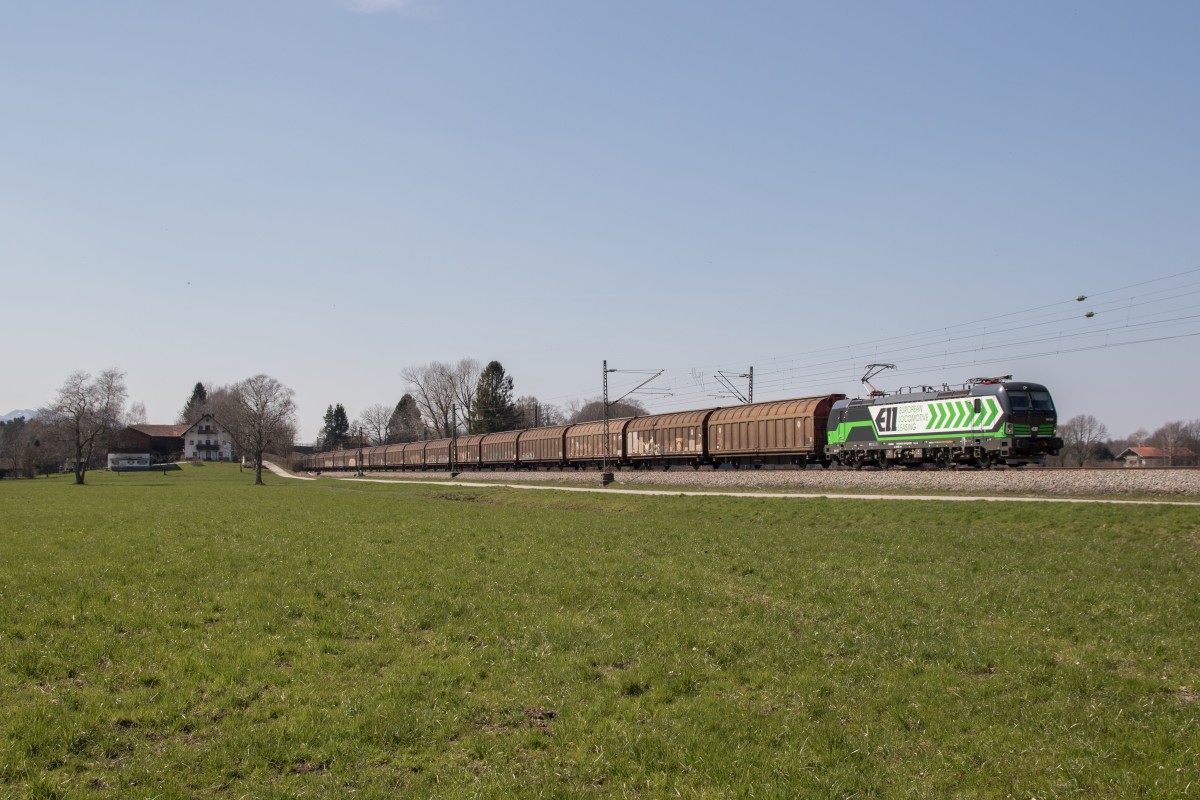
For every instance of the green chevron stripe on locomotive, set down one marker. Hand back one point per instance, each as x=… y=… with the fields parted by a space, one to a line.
x=985 y=423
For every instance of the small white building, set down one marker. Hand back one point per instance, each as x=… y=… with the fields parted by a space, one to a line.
x=206 y=440
x=128 y=462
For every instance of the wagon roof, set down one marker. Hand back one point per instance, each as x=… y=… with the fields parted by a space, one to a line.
x=552 y=432
x=591 y=428
x=802 y=407
x=502 y=436
x=669 y=420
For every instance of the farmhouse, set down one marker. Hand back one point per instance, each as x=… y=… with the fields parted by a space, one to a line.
x=206 y=440
x=1157 y=457
x=139 y=446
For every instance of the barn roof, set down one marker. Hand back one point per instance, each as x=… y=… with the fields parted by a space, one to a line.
x=156 y=431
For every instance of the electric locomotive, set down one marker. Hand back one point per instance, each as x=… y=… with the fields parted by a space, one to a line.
x=987 y=422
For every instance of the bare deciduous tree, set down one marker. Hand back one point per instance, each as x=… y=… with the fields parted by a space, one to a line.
x=534 y=414
x=260 y=416
x=1191 y=432
x=1082 y=436
x=29 y=446
x=1171 y=439
x=221 y=402
x=85 y=412
x=439 y=387
x=373 y=421
x=136 y=415
x=593 y=410
x=465 y=375
x=431 y=386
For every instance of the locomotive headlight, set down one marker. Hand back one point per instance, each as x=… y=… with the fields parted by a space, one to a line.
x=1008 y=429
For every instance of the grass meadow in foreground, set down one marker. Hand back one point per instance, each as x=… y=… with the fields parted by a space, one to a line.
x=193 y=635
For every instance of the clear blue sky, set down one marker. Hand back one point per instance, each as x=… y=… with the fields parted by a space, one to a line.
x=329 y=191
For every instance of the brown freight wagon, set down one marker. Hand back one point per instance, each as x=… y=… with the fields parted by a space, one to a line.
x=585 y=443
x=499 y=450
x=466 y=451
x=780 y=432
x=392 y=456
x=437 y=454
x=414 y=455
x=543 y=447
x=666 y=439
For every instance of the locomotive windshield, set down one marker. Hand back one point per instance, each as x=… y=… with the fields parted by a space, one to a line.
x=1036 y=400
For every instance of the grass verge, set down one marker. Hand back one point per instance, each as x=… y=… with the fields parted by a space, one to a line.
x=192 y=634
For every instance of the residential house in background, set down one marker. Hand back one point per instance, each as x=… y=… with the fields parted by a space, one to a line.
x=206 y=440
x=1157 y=457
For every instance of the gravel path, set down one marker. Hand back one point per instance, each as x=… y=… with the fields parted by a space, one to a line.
x=1023 y=482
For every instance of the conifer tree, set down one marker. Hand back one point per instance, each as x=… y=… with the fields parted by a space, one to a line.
x=406 y=424
x=494 y=406
x=193 y=409
x=335 y=433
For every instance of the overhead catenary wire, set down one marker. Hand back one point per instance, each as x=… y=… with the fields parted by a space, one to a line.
x=1142 y=312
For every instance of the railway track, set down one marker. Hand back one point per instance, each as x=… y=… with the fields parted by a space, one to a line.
x=1064 y=482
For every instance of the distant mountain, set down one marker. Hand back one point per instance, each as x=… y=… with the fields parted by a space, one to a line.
x=27 y=413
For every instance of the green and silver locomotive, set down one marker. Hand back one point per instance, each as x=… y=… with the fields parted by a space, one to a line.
x=987 y=422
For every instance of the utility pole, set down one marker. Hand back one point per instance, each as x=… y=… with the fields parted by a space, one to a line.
x=453 y=438
x=605 y=476
x=360 y=451
x=724 y=379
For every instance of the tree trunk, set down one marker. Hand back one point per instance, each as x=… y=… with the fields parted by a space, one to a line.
x=258 y=481
x=80 y=468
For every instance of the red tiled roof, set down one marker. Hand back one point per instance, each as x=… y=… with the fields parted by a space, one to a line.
x=1162 y=452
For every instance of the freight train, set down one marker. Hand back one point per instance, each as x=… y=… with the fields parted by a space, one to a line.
x=984 y=423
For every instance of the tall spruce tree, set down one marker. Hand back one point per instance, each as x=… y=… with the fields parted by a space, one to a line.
x=335 y=433
x=406 y=424
x=193 y=409
x=494 y=406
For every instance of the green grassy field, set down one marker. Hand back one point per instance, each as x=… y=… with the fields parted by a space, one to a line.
x=193 y=635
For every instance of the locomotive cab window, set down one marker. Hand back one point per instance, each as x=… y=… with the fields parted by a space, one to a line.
x=1037 y=400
